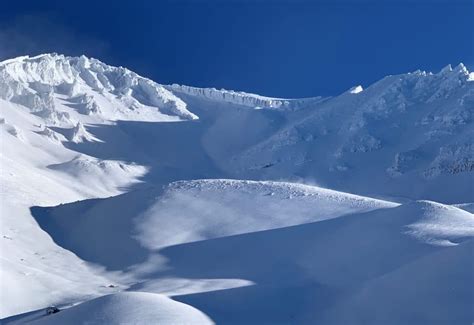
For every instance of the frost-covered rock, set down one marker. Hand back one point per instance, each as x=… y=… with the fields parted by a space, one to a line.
x=87 y=105
x=452 y=159
x=36 y=81
x=448 y=80
x=365 y=143
x=52 y=135
x=403 y=162
x=79 y=134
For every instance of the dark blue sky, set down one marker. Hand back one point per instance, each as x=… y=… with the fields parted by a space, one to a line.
x=285 y=48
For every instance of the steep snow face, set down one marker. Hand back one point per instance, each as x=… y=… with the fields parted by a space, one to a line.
x=89 y=87
x=412 y=129
x=36 y=168
x=245 y=99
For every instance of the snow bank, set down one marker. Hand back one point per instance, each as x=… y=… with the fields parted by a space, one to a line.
x=100 y=175
x=127 y=308
x=204 y=209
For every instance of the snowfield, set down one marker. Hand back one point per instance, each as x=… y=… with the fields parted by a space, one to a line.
x=125 y=308
x=126 y=201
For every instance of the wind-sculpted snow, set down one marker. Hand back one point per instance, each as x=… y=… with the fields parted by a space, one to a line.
x=246 y=99
x=144 y=221
x=114 y=184
x=355 y=269
x=125 y=308
x=198 y=210
x=100 y=175
x=318 y=246
x=38 y=82
x=405 y=129
x=469 y=207
x=440 y=224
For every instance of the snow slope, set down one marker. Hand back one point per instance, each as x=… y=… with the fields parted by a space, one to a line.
x=142 y=222
x=406 y=135
x=334 y=246
x=357 y=269
x=113 y=185
x=125 y=308
x=199 y=210
x=31 y=264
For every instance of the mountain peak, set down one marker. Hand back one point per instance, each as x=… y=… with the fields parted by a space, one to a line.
x=448 y=68
x=459 y=69
x=37 y=81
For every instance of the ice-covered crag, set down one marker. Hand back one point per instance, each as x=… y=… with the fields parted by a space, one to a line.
x=415 y=128
x=86 y=87
x=246 y=99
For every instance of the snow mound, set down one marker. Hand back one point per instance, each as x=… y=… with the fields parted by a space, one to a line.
x=127 y=308
x=361 y=268
x=197 y=210
x=100 y=175
x=439 y=224
x=137 y=224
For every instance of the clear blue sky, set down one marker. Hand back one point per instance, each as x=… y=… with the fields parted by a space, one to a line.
x=277 y=48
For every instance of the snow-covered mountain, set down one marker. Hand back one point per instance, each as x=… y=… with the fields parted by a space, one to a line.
x=234 y=204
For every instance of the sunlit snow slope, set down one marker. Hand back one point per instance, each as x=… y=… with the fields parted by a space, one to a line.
x=126 y=201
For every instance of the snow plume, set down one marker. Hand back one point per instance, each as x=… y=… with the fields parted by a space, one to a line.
x=41 y=33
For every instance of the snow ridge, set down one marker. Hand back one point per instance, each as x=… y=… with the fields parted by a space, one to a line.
x=246 y=99
x=36 y=82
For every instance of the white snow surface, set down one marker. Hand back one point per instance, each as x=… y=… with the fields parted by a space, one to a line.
x=86 y=85
x=197 y=210
x=125 y=308
x=126 y=201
